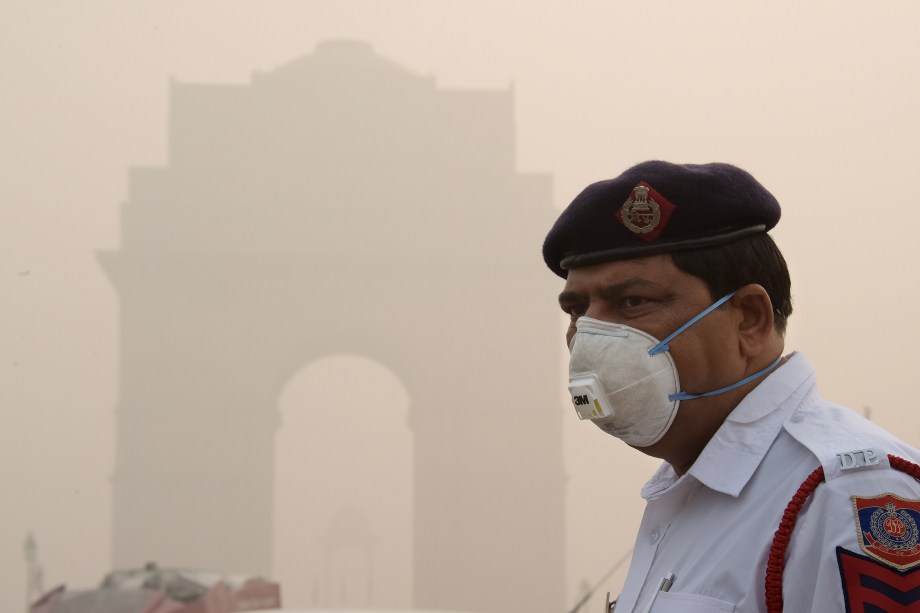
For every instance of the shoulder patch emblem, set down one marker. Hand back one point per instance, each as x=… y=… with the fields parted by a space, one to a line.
x=872 y=586
x=887 y=527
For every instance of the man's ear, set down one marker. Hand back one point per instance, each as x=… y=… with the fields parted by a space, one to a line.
x=756 y=325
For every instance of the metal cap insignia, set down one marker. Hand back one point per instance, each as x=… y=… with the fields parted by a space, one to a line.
x=641 y=214
x=645 y=212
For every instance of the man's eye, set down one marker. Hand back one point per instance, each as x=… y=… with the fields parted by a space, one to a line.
x=631 y=302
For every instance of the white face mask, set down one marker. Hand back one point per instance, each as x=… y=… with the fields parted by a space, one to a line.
x=617 y=384
x=625 y=380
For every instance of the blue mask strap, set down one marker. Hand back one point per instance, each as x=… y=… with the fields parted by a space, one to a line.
x=663 y=345
x=686 y=396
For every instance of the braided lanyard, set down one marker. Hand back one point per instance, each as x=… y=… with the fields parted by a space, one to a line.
x=777 y=559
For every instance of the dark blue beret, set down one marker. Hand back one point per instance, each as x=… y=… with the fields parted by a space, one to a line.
x=658 y=207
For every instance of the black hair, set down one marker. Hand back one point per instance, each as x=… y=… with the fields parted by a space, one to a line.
x=753 y=259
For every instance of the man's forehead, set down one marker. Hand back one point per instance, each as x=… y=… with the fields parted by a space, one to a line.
x=655 y=269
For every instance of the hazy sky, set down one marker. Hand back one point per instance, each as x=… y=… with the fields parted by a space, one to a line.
x=818 y=100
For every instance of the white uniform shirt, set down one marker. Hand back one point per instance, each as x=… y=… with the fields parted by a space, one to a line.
x=713 y=527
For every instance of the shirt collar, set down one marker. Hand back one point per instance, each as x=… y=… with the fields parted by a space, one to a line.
x=735 y=451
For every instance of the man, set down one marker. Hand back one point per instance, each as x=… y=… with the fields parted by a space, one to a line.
x=768 y=494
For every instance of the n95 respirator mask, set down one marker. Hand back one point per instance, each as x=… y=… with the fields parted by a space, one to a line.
x=618 y=383
x=626 y=382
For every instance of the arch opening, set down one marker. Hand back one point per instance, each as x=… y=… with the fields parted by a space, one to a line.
x=344 y=487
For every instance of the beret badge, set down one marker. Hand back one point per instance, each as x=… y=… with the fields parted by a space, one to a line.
x=645 y=213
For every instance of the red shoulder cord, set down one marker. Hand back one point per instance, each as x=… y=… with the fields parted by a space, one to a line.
x=777 y=559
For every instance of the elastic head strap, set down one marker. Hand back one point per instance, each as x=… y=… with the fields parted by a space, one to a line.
x=721 y=390
x=663 y=345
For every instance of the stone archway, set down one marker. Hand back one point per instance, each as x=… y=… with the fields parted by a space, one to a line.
x=341 y=204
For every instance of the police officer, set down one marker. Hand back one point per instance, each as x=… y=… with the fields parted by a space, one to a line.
x=768 y=495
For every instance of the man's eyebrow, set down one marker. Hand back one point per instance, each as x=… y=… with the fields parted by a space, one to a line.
x=618 y=289
x=614 y=290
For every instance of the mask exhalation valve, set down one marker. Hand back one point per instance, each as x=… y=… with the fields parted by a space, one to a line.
x=588 y=397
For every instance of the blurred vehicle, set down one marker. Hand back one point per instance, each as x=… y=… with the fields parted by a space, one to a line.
x=165 y=590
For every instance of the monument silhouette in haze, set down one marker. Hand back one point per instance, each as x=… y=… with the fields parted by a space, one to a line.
x=342 y=205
